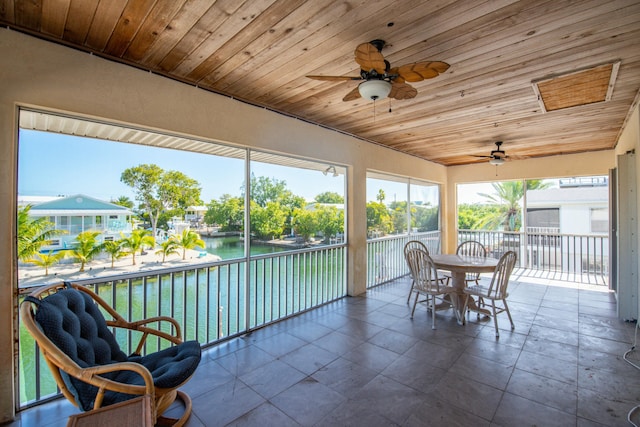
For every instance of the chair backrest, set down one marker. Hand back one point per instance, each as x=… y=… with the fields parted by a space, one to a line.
x=423 y=270
x=71 y=323
x=472 y=248
x=415 y=244
x=501 y=275
x=74 y=323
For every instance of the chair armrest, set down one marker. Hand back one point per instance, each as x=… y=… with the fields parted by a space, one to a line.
x=92 y=375
x=171 y=320
x=140 y=326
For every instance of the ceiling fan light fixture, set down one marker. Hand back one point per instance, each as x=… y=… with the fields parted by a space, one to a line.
x=374 y=90
x=497 y=161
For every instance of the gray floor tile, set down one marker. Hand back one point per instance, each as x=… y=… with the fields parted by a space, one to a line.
x=245 y=360
x=362 y=362
x=371 y=356
x=549 y=367
x=518 y=411
x=483 y=370
x=438 y=413
x=557 y=332
x=544 y=390
x=389 y=398
x=603 y=382
x=433 y=354
x=553 y=349
x=602 y=408
x=393 y=341
x=309 y=358
x=272 y=378
x=344 y=376
x=474 y=397
x=338 y=343
x=308 y=401
x=355 y=413
x=280 y=344
x=494 y=350
x=265 y=415
x=225 y=403
x=415 y=373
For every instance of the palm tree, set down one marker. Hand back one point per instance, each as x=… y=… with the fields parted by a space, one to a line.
x=123 y=201
x=137 y=241
x=86 y=247
x=33 y=234
x=168 y=247
x=47 y=260
x=508 y=196
x=114 y=249
x=189 y=239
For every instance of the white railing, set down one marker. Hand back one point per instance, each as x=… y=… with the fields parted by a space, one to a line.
x=571 y=257
x=212 y=301
x=385 y=255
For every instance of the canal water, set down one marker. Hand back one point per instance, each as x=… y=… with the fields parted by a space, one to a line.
x=230 y=247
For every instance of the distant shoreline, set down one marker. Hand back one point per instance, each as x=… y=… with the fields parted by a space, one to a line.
x=30 y=275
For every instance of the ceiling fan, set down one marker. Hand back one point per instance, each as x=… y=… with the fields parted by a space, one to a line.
x=380 y=80
x=497 y=156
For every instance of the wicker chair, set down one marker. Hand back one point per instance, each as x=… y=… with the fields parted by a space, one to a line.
x=87 y=364
x=496 y=290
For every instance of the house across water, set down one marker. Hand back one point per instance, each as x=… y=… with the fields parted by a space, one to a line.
x=75 y=214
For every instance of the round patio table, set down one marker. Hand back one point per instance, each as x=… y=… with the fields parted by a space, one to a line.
x=459 y=266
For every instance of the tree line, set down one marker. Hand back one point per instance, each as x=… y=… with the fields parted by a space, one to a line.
x=162 y=195
x=275 y=212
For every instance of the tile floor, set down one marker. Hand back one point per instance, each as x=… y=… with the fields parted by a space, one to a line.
x=363 y=362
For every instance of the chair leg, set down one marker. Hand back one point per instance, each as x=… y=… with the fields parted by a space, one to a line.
x=506 y=308
x=465 y=309
x=433 y=312
x=163 y=421
x=410 y=291
x=414 y=304
x=495 y=319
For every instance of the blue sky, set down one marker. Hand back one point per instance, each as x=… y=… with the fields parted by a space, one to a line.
x=52 y=164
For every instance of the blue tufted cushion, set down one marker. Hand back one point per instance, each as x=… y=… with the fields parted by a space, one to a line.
x=74 y=323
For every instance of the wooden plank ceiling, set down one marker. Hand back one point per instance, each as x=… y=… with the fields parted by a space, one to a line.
x=260 y=51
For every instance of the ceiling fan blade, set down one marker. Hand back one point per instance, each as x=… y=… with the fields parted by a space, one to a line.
x=419 y=71
x=334 y=78
x=483 y=157
x=353 y=94
x=398 y=78
x=402 y=91
x=369 y=58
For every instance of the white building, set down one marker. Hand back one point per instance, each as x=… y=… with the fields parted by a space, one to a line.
x=75 y=214
x=567 y=227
